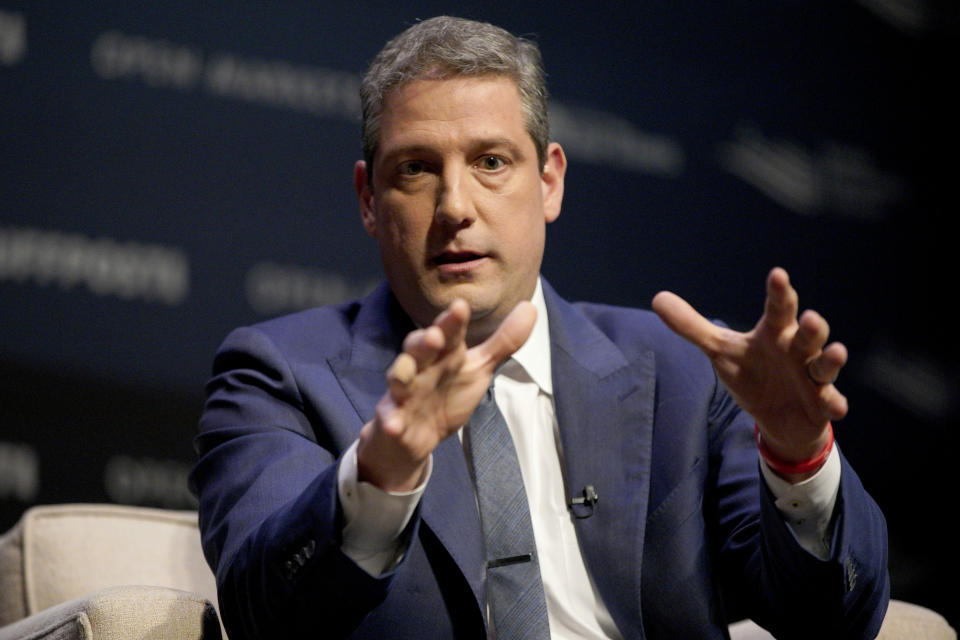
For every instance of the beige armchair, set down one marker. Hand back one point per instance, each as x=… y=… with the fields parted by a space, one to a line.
x=904 y=621
x=104 y=572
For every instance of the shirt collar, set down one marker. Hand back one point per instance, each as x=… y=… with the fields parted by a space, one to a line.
x=534 y=355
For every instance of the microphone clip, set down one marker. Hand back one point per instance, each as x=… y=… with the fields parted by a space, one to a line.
x=582 y=507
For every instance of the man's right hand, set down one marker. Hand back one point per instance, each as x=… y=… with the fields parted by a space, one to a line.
x=433 y=387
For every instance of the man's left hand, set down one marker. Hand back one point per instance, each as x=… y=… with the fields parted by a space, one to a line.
x=780 y=372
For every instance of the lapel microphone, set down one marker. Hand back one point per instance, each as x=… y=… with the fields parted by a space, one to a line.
x=582 y=507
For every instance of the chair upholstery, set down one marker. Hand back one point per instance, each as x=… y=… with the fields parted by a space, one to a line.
x=904 y=621
x=108 y=572
x=105 y=571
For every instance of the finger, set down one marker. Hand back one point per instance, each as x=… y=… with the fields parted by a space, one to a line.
x=453 y=321
x=685 y=321
x=825 y=368
x=424 y=345
x=780 y=308
x=832 y=405
x=811 y=335
x=400 y=376
x=836 y=403
x=509 y=336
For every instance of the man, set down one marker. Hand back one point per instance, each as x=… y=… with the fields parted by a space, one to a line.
x=341 y=494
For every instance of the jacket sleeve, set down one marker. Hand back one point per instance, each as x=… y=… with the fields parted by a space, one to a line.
x=270 y=518
x=770 y=577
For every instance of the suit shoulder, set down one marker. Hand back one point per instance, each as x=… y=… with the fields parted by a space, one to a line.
x=321 y=331
x=629 y=325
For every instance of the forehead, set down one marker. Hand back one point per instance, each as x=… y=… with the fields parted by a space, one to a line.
x=449 y=106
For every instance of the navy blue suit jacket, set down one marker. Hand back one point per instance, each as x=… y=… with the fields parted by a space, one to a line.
x=684 y=538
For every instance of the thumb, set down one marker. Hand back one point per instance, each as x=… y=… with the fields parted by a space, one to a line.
x=685 y=321
x=510 y=335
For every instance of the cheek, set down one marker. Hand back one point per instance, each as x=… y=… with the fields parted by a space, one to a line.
x=526 y=220
x=401 y=234
x=522 y=240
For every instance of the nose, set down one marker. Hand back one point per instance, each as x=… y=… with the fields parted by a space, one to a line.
x=454 y=205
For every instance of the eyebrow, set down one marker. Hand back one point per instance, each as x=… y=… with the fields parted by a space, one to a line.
x=404 y=150
x=486 y=143
x=478 y=144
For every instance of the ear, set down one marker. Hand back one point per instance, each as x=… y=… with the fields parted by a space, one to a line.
x=551 y=181
x=365 y=197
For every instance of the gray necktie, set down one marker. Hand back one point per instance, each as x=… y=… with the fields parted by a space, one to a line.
x=517 y=605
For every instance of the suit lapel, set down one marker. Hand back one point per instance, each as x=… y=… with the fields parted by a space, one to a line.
x=378 y=332
x=448 y=506
x=604 y=406
x=604 y=409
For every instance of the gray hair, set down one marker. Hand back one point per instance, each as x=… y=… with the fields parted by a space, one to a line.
x=444 y=47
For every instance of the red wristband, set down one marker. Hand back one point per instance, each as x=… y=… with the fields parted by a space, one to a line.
x=793 y=468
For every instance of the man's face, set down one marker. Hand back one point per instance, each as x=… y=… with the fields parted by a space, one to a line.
x=459 y=203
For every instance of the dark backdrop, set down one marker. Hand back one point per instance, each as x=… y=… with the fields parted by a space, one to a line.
x=171 y=170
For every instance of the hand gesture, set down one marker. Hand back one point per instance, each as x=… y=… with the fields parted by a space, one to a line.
x=780 y=372
x=433 y=387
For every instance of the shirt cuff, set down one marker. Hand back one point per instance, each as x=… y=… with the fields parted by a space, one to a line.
x=808 y=506
x=374 y=519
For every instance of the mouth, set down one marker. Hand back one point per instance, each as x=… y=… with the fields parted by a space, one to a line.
x=458 y=262
x=456 y=257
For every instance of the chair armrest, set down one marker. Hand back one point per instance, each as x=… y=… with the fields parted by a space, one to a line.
x=122 y=613
x=903 y=621
x=907 y=621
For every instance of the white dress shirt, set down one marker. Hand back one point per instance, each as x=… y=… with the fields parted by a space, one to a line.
x=524 y=393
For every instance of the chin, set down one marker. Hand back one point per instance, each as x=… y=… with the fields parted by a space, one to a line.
x=481 y=307
x=480 y=300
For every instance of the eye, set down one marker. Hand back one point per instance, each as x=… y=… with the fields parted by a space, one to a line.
x=411 y=168
x=491 y=163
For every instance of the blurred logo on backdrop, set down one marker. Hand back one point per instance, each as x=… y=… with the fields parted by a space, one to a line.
x=148 y=482
x=19 y=472
x=273 y=288
x=104 y=266
x=838 y=179
x=13 y=38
